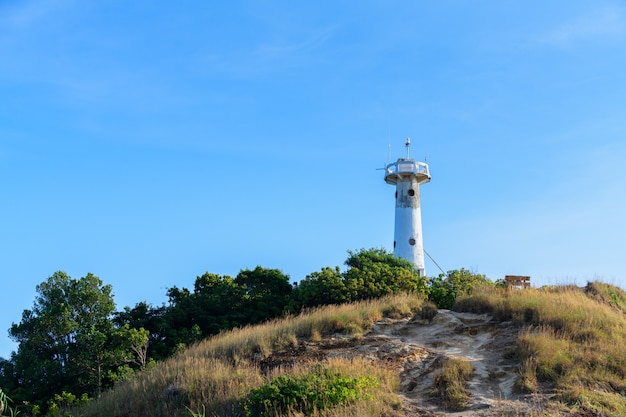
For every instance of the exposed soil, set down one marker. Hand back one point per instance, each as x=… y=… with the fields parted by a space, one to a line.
x=417 y=348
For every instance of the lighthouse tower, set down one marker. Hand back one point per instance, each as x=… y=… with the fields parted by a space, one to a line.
x=407 y=175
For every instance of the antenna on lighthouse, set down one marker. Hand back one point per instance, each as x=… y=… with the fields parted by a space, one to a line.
x=408 y=146
x=387 y=158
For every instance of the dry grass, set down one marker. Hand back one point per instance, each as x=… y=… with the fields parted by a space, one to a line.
x=572 y=340
x=213 y=377
x=260 y=341
x=449 y=385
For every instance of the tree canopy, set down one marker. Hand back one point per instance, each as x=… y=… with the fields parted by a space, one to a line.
x=73 y=343
x=67 y=341
x=444 y=289
x=371 y=273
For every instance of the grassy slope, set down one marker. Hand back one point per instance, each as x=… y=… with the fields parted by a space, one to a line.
x=572 y=342
x=213 y=377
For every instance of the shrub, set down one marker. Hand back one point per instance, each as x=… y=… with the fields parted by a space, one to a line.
x=449 y=384
x=610 y=294
x=61 y=403
x=527 y=381
x=372 y=273
x=429 y=311
x=445 y=289
x=324 y=388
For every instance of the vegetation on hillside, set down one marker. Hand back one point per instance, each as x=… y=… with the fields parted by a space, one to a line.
x=199 y=354
x=67 y=342
x=72 y=344
x=444 y=289
x=571 y=341
x=318 y=390
x=371 y=273
x=219 y=376
x=449 y=385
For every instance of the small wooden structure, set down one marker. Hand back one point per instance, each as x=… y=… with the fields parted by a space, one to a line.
x=517 y=281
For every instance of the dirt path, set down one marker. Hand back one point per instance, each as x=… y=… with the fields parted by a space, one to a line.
x=475 y=338
x=417 y=348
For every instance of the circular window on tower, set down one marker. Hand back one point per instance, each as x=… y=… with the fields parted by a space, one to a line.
x=411 y=192
x=412 y=242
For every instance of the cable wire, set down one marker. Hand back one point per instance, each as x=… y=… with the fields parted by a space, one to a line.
x=435 y=262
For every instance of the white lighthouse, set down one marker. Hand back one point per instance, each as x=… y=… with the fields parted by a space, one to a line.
x=407 y=175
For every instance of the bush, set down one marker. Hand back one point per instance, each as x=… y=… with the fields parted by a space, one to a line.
x=371 y=273
x=429 y=311
x=321 y=288
x=449 y=384
x=60 y=404
x=445 y=289
x=319 y=390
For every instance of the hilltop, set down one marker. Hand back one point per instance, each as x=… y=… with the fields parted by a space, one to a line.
x=553 y=351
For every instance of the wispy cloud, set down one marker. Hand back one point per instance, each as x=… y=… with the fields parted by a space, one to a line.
x=601 y=23
x=313 y=41
x=27 y=13
x=268 y=57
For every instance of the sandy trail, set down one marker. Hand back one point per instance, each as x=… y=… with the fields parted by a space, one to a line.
x=473 y=337
x=418 y=348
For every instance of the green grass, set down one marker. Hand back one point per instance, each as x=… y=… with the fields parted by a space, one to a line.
x=321 y=389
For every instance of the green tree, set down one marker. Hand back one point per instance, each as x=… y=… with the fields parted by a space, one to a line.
x=321 y=288
x=215 y=304
x=152 y=319
x=222 y=302
x=67 y=341
x=104 y=353
x=266 y=293
x=373 y=273
x=181 y=317
x=444 y=289
x=218 y=303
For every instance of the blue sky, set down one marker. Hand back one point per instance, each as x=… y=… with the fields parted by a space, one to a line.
x=149 y=142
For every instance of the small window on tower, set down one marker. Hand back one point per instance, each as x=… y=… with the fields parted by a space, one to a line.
x=411 y=192
x=394 y=243
x=396 y=194
x=412 y=242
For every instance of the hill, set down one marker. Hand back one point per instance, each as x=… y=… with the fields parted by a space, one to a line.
x=553 y=351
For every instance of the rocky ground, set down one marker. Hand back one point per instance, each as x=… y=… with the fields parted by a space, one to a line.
x=417 y=349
